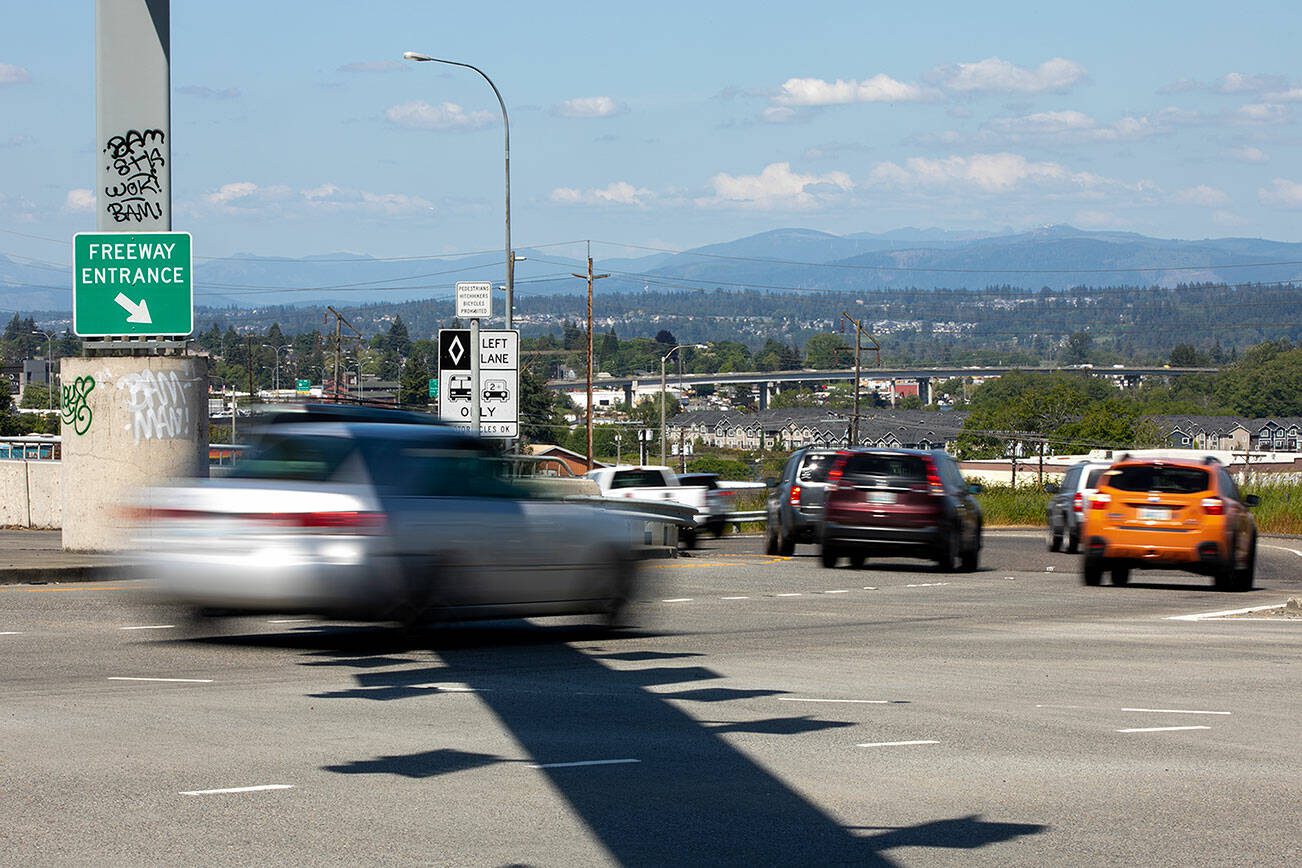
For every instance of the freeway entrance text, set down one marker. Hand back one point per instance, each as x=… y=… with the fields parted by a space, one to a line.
x=127 y=283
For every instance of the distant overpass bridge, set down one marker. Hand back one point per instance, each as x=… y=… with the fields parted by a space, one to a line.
x=769 y=382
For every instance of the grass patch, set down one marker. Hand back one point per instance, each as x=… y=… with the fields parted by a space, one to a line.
x=1280 y=510
x=1014 y=505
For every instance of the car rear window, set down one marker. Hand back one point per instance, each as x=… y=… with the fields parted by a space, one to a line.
x=814 y=467
x=909 y=467
x=637 y=479
x=1153 y=477
x=1092 y=481
x=298 y=457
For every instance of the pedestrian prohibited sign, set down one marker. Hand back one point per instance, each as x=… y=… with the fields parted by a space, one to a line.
x=132 y=283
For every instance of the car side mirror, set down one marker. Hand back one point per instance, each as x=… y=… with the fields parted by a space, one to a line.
x=976 y=487
x=1052 y=487
x=1251 y=500
x=770 y=482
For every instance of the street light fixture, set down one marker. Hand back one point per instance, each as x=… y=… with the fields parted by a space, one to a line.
x=276 y=377
x=663 y=359
x=506 y=129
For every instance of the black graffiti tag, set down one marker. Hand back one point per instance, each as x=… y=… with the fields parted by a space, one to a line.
x=135 y=157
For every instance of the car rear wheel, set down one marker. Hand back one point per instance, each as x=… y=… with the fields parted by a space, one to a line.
x=1073 y=543
x=857 y=560
x=972 y=559
x=688 y=538
x=1055 y=537
x=1092 y=571
x=786 y=545
x=1120 y=576
x=949 y=557
x=771 y=541
x=829 y=555
x=1246 y=574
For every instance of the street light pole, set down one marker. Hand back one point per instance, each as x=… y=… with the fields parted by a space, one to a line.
x=506 y=129
x=276 y=376
x=49 y=367
x=663 y=388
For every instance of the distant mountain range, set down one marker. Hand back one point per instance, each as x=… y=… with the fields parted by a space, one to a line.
x=1057 y=257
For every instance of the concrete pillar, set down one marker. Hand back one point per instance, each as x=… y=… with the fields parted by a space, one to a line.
x=628 y=393
x=128 y=423
x=764 y=395
x=924 y=389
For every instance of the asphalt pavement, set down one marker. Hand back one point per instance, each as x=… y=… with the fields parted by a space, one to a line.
x=764 y=711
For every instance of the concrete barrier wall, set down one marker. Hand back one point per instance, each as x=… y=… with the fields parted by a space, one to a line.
x=31 y=494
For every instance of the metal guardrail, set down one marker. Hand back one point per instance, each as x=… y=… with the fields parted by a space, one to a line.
x=753 y=515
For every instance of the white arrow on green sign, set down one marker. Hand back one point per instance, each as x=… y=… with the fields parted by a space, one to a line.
x=132 y=283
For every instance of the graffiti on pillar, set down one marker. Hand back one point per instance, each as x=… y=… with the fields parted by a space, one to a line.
x=75 y=411
x=137 y=194
x=157 y=404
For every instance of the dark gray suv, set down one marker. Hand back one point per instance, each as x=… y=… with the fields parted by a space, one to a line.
x=1066 y=511
x=795 y=502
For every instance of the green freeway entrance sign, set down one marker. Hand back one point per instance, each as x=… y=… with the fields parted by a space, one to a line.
x=132 y=283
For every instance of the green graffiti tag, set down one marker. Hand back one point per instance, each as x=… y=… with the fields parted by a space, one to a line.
x=75 y=412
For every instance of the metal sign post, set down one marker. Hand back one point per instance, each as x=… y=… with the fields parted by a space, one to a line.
x=474 y=377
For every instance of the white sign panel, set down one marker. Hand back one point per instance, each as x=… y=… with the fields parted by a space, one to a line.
x=499 y=380
x=474 y=300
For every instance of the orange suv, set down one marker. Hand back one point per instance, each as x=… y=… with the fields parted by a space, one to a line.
x=1160 y=513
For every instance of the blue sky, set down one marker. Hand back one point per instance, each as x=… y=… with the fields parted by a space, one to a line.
x=298 y=129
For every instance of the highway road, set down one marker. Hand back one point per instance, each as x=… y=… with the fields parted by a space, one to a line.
x=765 y=711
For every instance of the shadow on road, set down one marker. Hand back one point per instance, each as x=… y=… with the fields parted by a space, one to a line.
x=691 y=797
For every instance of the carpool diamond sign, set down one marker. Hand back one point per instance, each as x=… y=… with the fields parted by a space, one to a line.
x=132 y=283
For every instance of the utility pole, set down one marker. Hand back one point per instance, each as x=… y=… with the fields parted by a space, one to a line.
x=589 y=277
x=858 y=349
x=340 y=322
x=249 y=340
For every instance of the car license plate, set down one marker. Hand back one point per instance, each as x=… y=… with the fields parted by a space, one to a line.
x=1154 y=513
x=881 y=497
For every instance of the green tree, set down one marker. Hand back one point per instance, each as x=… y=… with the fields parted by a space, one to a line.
x=1266 y=381
x=36 y=396
x=399 y=340
x=828 y=352
x=1187 y=356
x=1078 y=348
x=413 y=384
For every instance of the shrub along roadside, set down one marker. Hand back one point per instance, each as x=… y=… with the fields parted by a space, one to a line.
x=1280 y=510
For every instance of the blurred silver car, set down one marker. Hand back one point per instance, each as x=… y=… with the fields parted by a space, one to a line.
x=389 y=522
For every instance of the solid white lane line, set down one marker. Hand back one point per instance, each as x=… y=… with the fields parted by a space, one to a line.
x=837 y=592
x=897 y=743
x=1282 y=548
x=175 y=680
x=151 y=627
x=257 y=789
x=810 y=699
x=869 y=588
x=734 y=598
x=1062 y=706
x=447 y=688
x=1175 y=711
x=609 y=762
x=791 y=594
x=1162 y=728
x=11 y=633
x=1203 y=616
x=928 y=585
x=678 y=600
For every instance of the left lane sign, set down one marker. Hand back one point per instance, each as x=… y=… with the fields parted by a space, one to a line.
x=132 y=283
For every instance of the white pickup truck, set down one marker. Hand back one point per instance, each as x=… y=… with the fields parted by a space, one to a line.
x=661 y=484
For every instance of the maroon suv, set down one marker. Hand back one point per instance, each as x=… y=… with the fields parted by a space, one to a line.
x=903 y=502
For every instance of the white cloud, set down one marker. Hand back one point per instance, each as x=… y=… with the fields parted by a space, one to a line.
x=776 y=187
x=589 y=107
x=1075 y=126
x=617 y=193
x=79 y=201
x=817 y=92
x=17 y=140
x=1248 y=154
x=365 y=66
x=1282 y=193
x=990 y=173
x=994 y=75
x=1292 y=94
x=1262 y=113
x=227 y=194
x=245 y=198
x=10 y=74
x=1202 y=194
x=1090 y=218
x=420 y=115
x=1230 y=84
x=331 y=199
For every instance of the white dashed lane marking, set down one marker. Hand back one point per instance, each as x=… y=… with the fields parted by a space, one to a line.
x=606 y=762
x=897 y=743
x=258 y=789
x=1163 y=728
x=151 y=627
x=1175 y=711
x=168 y=680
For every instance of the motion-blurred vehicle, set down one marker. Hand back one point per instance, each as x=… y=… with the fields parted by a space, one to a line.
x=1181 y=514
x=385 y=522
x=719 y=501
x=1066 y=510
x=795 y=503
x=548 y=476
x=655 y=483
x=905 y=502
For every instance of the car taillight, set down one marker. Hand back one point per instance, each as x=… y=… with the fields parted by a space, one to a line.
x=1078 y=503
x=838 y=470
x=345 y=520
x=1100 y=501
x=1213 y=506
x=934 y=485
x=795 y=495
